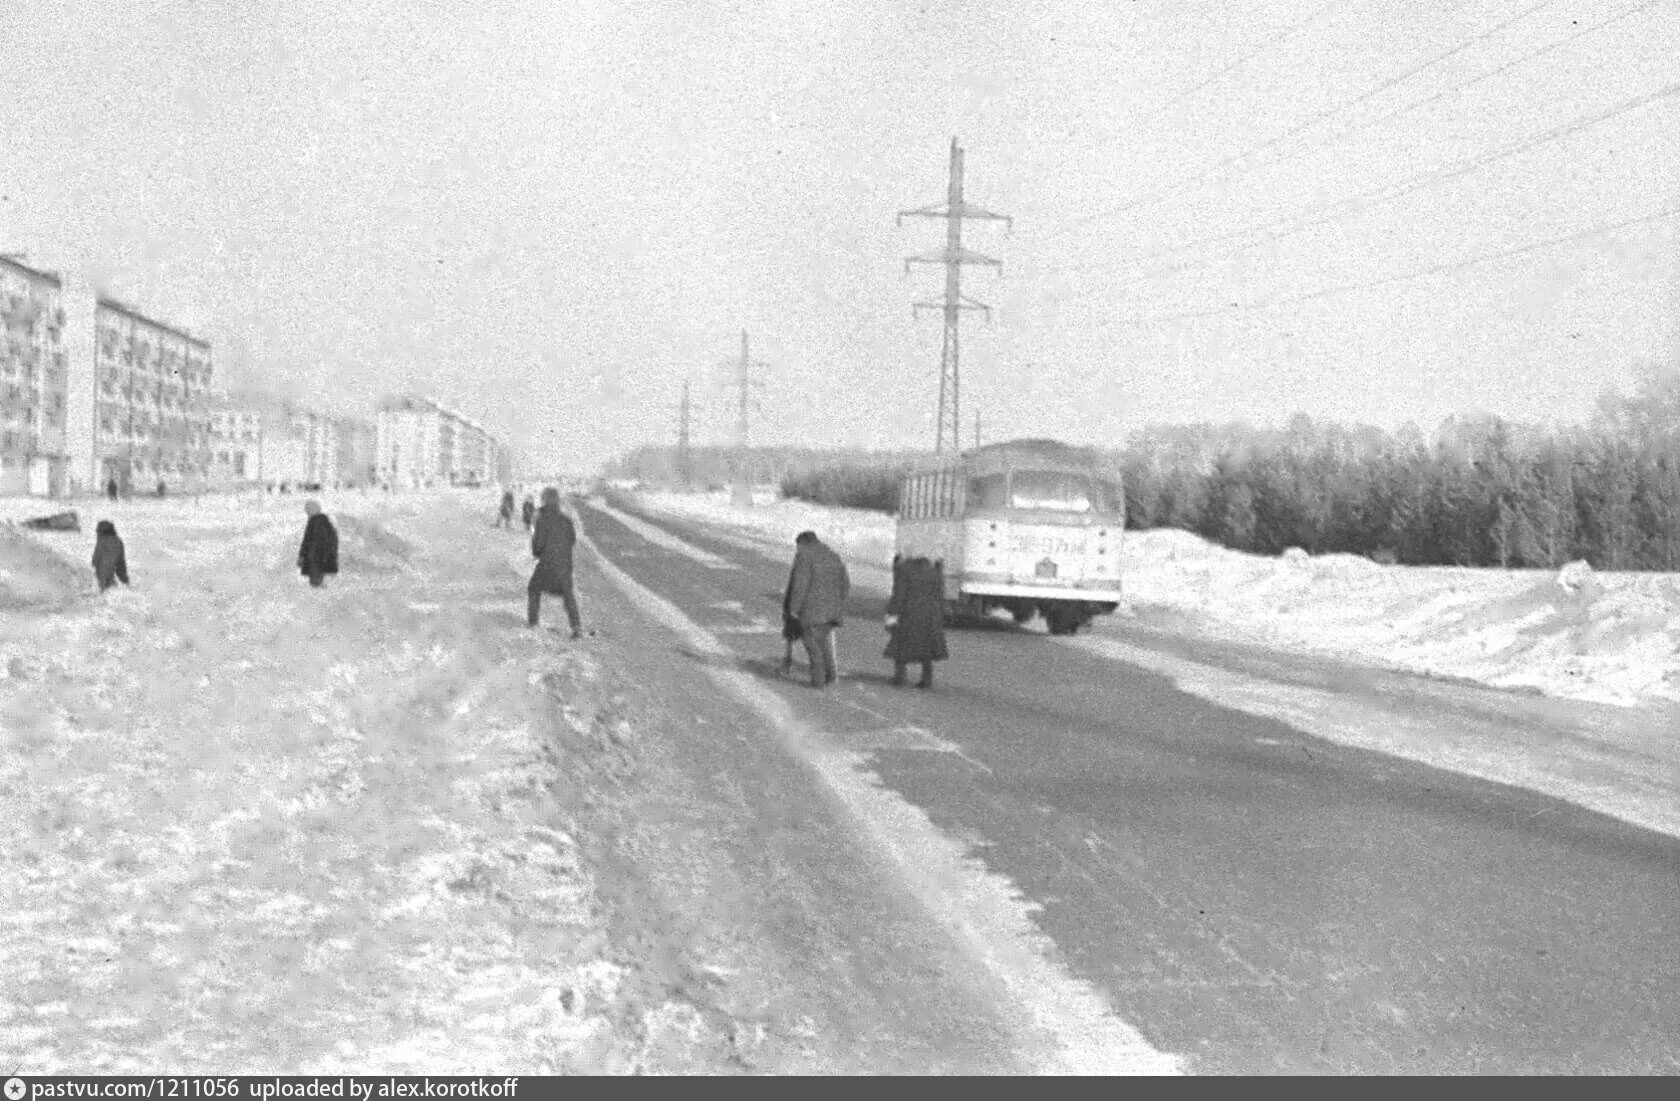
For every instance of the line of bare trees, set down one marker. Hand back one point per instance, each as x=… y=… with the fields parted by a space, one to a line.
x=1482 y=492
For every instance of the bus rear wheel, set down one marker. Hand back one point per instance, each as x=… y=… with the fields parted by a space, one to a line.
x=1061 y=620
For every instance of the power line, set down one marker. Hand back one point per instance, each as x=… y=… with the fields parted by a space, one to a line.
x=1242 y=60
x=1218 y=167
x=1506 y=67
x=1436 y=269
x=1365 y=200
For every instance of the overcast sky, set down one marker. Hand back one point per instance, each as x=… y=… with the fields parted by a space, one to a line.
x=550 y=213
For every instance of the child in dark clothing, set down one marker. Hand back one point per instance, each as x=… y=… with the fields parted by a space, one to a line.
x=110 y=564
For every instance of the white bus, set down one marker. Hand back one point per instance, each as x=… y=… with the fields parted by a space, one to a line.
x=1031 y=526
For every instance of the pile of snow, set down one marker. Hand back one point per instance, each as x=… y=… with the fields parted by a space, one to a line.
x=33 y=575
x=252 y=826
x=1577 y=633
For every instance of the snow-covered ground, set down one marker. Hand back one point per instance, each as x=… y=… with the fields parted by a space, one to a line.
x=1604 y=637
x=251 y=827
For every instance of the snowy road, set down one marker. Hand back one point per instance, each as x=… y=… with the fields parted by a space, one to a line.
x=1245 y=894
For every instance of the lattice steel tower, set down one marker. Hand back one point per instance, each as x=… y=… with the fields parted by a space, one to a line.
x=953 y=256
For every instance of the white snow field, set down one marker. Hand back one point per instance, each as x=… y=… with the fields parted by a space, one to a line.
x=1603 y=637
x=252 y=827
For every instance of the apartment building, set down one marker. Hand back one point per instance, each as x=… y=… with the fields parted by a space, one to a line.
x=151 y=416
x=34 y=381
x=358 y=453
x=236 y=433
x=420 y=442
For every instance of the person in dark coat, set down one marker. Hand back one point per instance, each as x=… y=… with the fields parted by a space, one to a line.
x=817 y=590
x=916 y=618
x=110 y=561
x=528 y=512
x=551 y=546
x=318 y=555
x=504 y=517
x=111 y=489
x=791 y=631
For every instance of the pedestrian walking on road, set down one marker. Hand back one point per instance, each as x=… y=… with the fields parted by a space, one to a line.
x=318 y=555
x=528 y=512
x=916 y=618
x=818 y=586
x=551 y=546
x=111 y=489
x=504 y=517
x=110 y=560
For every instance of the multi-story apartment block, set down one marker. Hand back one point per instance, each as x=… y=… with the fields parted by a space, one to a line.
x=421 y=443
x=408 y=433
x=236 y=432
x=151 y=408
x=34 y=381
x=358 y=453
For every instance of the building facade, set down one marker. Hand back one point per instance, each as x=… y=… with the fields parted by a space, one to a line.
x=151 y=407
x=358 y=458
x=34 y=382
x=419 y=442
x=236 y=432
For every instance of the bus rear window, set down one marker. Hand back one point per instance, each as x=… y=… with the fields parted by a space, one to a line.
x=1050 y=490
x=987 y=491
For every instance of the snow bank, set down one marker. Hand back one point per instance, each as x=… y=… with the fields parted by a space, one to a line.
x=254 y=827
x=34 y=574
x=1604 y=637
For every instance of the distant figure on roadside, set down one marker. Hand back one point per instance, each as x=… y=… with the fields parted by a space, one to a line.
x=111 y=489
x=551 y=546
x=162 y=490
x=504 y=517
x=818 y=586
x=110 y=561
x=528 y=512
x=318 y=555
x=916 y=618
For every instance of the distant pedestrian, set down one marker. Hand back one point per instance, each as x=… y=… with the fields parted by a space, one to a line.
x=111 y=489
x=318 y=554
x=504 y=517
x=916 y=618
x=162 y=490
x=551 y=546
x=110 y=560
x=818 y=586
x=528 y=512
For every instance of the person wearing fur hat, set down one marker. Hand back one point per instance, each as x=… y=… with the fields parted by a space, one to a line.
x=318 y=556
x=110 y=562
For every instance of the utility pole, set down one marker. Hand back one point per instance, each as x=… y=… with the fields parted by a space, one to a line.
x=741 y=493
x=685 y=458
x=953 y=256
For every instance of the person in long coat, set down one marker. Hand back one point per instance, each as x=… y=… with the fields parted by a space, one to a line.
x=551 y=546
x=817 y=590
x=916 y=618
x=110 y=560
x=111 y=489
x=504 y=516
x=528 y=512
x=791 y=631
x=318 y=555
